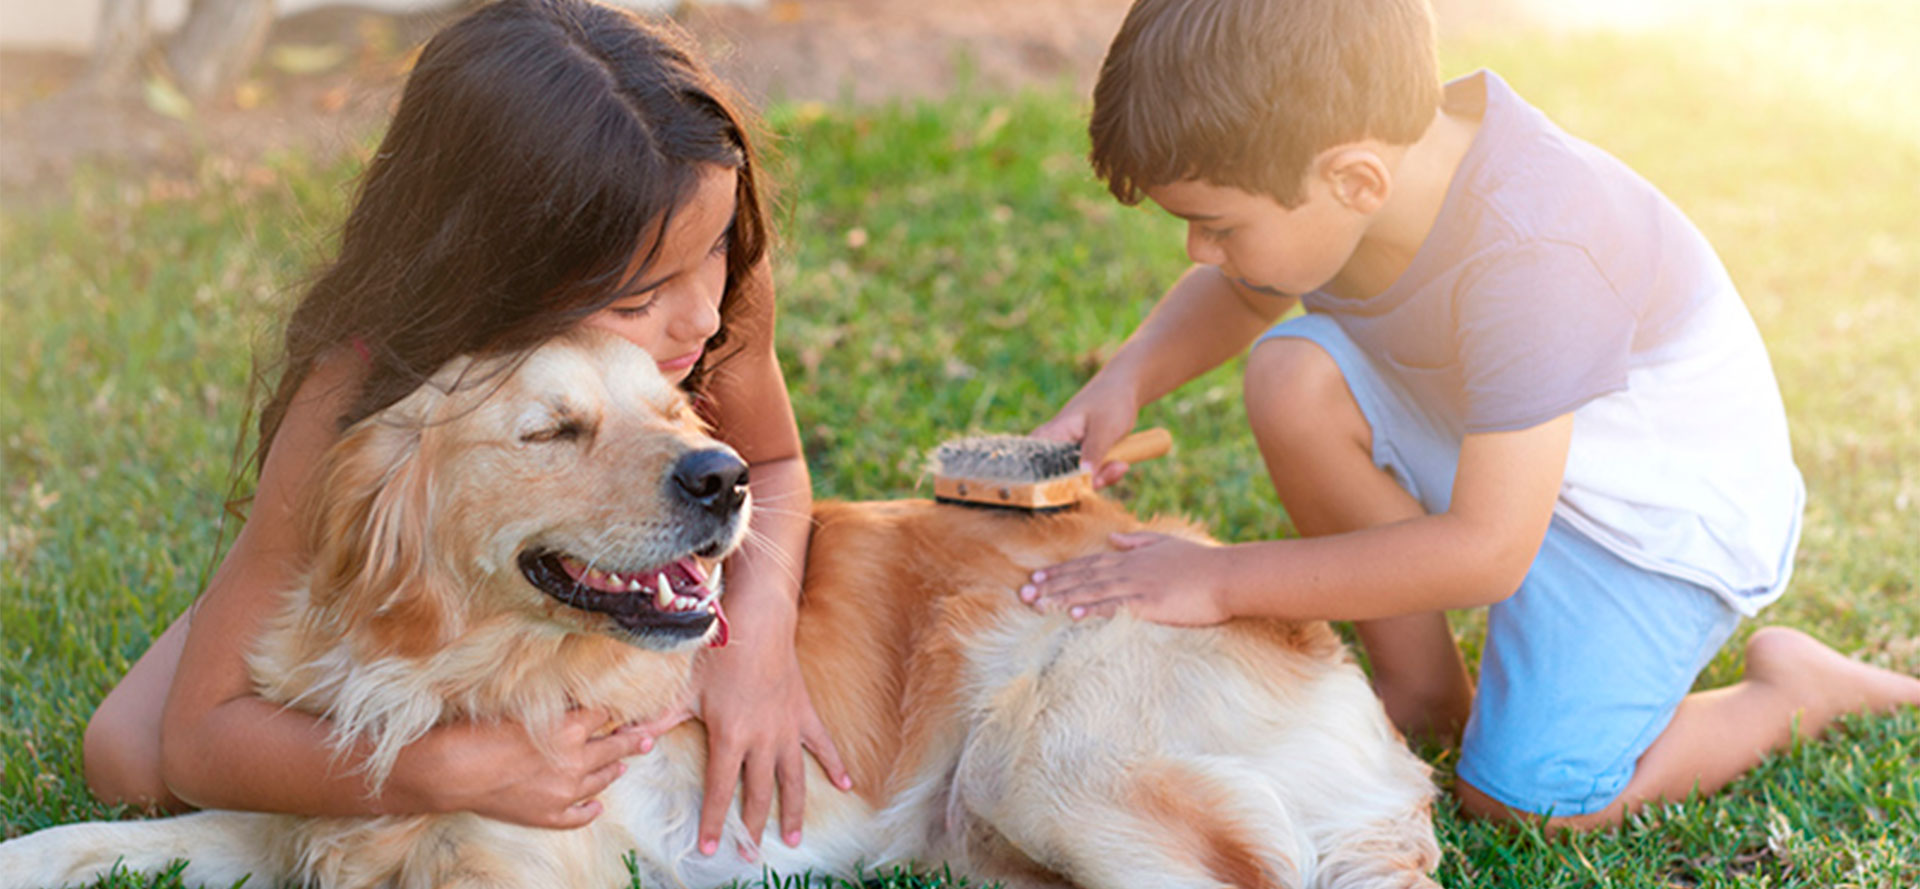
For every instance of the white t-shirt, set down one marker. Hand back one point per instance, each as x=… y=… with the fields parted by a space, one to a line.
x=1557 y=280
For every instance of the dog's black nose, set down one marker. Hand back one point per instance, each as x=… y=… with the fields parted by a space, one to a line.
x=714 y=480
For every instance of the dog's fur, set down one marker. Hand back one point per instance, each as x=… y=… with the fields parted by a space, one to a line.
x=1013 y=745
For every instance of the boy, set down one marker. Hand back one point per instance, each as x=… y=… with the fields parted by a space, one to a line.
x=1523 y=380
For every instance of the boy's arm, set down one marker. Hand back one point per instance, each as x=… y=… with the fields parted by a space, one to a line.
x=1203 y=320
x=1475 y=553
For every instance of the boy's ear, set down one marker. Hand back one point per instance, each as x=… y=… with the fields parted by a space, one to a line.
x=1357 y=176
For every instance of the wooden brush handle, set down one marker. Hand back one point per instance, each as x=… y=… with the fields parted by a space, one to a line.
x=1143 y=445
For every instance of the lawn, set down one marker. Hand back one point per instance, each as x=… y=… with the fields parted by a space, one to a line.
x=951 y=267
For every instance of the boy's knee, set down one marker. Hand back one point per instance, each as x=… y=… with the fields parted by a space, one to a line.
x=1482 y=806
x=1555 y=791
x=1294 y=391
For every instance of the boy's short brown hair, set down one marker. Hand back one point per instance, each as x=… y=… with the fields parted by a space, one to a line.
x=1244 y=93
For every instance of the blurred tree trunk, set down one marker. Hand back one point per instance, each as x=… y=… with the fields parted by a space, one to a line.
x=118 y=47
x=213 y=49
x=217 y=45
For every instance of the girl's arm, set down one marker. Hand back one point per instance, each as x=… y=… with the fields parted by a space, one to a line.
x=760 y=720
x=220 y=746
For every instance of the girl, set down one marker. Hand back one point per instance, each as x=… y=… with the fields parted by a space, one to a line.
x=552 y=163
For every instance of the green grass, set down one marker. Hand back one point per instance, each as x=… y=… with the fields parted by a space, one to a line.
x=994 y=276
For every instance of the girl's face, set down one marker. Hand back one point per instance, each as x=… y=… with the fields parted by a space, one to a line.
x=675 y=308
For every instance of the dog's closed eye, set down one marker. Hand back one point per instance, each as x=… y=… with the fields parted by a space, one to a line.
x=567 y=429
x=556 y=421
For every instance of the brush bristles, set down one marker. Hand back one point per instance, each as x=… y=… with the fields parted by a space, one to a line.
x=1006 y=458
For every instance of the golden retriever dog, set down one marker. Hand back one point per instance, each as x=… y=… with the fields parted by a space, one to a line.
x=523 y=535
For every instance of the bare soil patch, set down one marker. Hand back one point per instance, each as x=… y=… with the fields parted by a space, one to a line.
x=330 y=77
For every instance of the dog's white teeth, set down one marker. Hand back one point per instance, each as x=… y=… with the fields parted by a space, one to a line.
x=713 y=583
x=663 y=592
x=634 y=585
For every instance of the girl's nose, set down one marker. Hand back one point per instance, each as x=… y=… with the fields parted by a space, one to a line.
x=698 y=321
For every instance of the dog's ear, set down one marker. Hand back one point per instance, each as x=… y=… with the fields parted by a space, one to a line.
x=371 y=528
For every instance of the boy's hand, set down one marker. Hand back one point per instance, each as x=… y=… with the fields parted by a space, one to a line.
x=1156 y=577
x=1099 y=415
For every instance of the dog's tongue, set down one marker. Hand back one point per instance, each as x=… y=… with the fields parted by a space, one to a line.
x=720 y=633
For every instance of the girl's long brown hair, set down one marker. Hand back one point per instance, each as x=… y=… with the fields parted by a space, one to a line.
x=537 y=145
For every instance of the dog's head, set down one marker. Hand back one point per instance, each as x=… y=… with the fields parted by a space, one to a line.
x=570 y=490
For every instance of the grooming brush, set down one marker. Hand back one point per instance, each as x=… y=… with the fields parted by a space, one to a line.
x=1021 y=472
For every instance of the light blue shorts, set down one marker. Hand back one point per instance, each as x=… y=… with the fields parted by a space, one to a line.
x=1584 y=665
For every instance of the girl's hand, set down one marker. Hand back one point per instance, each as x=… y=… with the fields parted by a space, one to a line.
x=495 y=770
x=1097 y=416
x=760 y=724
x=1156 y=577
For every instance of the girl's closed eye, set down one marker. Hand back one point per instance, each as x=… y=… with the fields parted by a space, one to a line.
x=1216 y=234
x=635 y=309
x=724 y=243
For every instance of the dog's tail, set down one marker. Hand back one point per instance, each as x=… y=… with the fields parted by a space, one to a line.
x=220 y=848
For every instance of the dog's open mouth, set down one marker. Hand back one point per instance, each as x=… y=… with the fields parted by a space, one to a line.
x=678 y=599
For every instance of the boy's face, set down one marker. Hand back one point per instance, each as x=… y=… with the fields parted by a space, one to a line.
x=1259 y=244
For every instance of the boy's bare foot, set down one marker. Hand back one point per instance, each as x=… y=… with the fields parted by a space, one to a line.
x=1824 y=681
